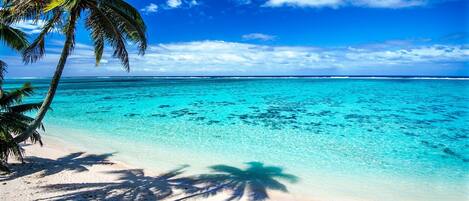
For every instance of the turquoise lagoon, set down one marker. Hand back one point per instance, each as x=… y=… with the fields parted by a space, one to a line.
x=354 y=139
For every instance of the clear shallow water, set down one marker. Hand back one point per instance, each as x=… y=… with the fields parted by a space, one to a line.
x=407 y=138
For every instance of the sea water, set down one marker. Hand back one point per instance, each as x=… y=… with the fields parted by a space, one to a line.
x=364 y=139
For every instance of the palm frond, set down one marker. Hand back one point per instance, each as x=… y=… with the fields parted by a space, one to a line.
x=23 y=108
x=13 y=122
x=3 y=69
x=101 y=26
x=8 y=147
x=36 y=50
x=16 y=96
x=111 y=22
x=114 y=22
x=132 y=21
x=20 y=10
x=54 y=4
x=12 y=37
x=16 y=123
x=98 y=47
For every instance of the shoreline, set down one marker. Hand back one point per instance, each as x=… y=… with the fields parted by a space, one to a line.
x=60 y=170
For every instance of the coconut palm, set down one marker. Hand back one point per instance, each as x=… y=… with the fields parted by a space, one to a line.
x=109 y=21
x=252 y=182
x=14 y=121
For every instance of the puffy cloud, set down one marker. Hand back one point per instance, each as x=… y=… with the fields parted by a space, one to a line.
x=388 y=3
x=242 y=2
x=410 y=56
x=174 y=3
x=170 y=4
x=338 y=3
x=304 y=3
x=233 y=58
x=30 y=26
x=258 y=36
x=193 y=3
x=150 y=8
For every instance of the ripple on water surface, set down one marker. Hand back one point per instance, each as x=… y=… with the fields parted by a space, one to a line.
x=411 y=129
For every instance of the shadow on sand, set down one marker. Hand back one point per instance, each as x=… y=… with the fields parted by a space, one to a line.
x=78 y=161
x=133 y=185
x=251 y=183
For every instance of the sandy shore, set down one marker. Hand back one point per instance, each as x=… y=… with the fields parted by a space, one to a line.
x=62 y=172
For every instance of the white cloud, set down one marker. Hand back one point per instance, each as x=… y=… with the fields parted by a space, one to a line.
x=193 y=3
x=410 y=56
x=30 y=26
x=242 y=2
x=168 y=5
x=338 y=3
x=304 y=3
x=174 y=3
x=388 y=3
x=258 y=36
x=232 y=58
x=150 y=8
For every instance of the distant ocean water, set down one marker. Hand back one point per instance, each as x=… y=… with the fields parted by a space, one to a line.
x=376 y=138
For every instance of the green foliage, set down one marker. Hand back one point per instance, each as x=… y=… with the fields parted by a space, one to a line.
x=11 y=37
x=13 y=121
x=3 y=67
x=111 y=22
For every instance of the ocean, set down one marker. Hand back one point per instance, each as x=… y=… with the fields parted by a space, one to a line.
x=363 y=138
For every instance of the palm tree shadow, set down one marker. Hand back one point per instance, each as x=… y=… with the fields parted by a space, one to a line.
x=133 y=185
x=252 y=182
x=77 y=161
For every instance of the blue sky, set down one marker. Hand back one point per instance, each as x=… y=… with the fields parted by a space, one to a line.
x=280 y=37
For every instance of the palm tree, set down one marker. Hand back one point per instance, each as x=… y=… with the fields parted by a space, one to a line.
x=253 y=181
x=13 y=121
x=13 y=38
x=109 y=21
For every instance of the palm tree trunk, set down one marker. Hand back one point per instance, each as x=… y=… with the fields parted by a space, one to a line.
x=53 y=84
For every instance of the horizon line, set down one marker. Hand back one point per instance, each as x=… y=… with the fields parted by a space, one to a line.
x=246 y=76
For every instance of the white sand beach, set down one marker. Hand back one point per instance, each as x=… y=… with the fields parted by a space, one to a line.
x=62 y=172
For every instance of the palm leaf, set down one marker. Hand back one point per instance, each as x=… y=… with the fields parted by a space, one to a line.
x=13 y=122
x=101 y=26
x=3 y=69
x=36 y=50
x=110 y=22
x=19 y=10
x=8 y=146
x=98 y=47
x=54 y=4
x=13 y=38
x=16 y=96
x=23 y=108
x=134 y=24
